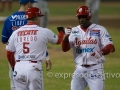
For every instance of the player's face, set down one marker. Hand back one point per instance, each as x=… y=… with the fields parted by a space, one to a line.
x=83 y=21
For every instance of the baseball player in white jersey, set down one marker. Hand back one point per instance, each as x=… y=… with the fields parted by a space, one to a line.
x=90 y=42
x=28 y=45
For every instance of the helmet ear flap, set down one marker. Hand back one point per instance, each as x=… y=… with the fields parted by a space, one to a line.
x=89 y=14
x=89 y=17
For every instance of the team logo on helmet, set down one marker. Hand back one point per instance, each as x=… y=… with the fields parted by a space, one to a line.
x=80 y=10
x=26 y=16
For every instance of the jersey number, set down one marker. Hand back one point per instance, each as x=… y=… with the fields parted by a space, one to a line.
x=25 y=48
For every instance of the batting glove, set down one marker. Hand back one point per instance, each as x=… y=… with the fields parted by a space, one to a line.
x=60 y=29
x=68 y=30
x=97 y=54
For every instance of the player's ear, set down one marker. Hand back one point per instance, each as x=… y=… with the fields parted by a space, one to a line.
x=29 y=5
x=36 y=18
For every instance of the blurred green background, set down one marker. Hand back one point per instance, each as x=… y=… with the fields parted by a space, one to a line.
x=63 y=14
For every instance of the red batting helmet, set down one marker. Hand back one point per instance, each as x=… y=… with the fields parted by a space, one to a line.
x=33 y=12
x=84 y=10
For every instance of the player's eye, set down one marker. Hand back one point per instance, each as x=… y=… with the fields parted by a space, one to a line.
x=82 y=16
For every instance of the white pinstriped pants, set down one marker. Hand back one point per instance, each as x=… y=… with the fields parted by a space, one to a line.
x=93 y=77
x=28 y=76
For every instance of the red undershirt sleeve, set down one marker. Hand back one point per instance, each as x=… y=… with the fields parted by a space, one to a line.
x=60 y=37
x=65 y=44
x=107 y=49
x=11 y=59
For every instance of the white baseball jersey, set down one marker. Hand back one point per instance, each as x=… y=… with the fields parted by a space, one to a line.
x=85 y=43
x=29 y=42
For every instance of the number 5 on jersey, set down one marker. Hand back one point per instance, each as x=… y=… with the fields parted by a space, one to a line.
x=26 y=49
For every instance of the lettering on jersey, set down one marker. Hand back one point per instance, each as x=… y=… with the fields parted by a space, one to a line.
x=88 y=41
x=14 y=28
x=27 y=32
x=17 y=17
x=84 y=50
x=17 y=21
x=75 y=32
x=26 y=57
x=27 y=35
x=96 y=75
x=54 y=36
x=17 y=24
x=27 y=39
x=108 y=36
x=94 y=32
x=110 y=39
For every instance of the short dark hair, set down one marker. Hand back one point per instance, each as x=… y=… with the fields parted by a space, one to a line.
x=33 y=18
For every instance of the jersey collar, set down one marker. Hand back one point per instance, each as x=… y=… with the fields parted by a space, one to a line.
x=85 y=29
x=31 y=23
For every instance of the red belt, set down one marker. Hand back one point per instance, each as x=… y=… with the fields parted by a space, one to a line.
x=85 y=65
x=31 y=61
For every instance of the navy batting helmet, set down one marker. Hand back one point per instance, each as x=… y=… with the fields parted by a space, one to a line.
x=27 y=1
x=33 y=12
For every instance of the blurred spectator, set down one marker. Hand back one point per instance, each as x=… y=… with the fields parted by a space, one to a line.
x=43 y=6
x=94 y=6
x=3 y=4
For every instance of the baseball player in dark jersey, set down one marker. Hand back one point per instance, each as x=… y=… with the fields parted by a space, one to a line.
x=12 y=23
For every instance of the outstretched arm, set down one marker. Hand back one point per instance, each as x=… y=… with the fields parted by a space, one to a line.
x=65 y=44
x=108 y=49
x=60 y=35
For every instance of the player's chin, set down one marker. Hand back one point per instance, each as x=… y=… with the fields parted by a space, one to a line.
x=82 y=25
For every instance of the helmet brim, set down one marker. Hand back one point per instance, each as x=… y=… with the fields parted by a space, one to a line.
x=41 y=15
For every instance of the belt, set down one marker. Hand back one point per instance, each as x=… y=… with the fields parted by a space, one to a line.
x=85 y=65
x=31 y=61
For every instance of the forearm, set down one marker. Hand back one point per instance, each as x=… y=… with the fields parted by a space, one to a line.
x=10 y=56
x=60 y=37
x=108 y=49
x=65 y=44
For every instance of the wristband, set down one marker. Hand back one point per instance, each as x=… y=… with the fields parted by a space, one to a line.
x=47 y=58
